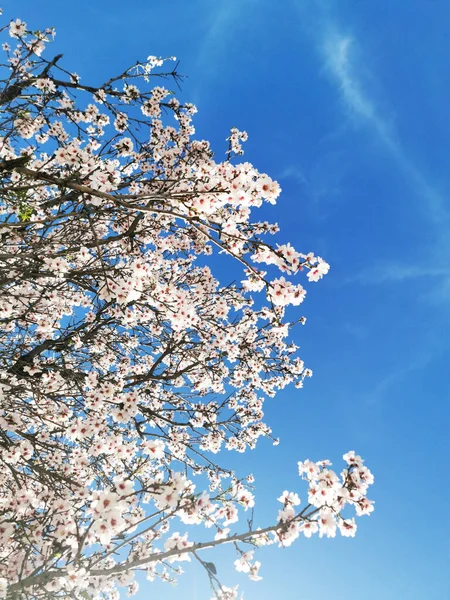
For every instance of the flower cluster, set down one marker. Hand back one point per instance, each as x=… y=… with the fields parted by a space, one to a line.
x=328 y=496
x=235 y=139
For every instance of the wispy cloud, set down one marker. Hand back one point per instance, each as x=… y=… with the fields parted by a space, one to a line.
x=296 y=174
x=322 y=181
x=220 y=23
x=377 y=395
x=347 y=65
x=223 y=18
x=337 y=50
x=434 y=280
x=387 y=273
x=340 y=54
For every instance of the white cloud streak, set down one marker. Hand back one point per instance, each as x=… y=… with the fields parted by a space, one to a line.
x=341 y=63
x=343 y=57
x=220 y=24
x=398 y=273
x=223 y=19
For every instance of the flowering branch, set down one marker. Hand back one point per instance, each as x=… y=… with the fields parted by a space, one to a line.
x=125 y=365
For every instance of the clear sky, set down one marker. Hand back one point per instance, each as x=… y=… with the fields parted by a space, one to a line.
x=346 y=104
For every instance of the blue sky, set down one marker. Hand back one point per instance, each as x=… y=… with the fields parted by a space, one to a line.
x=346 y=104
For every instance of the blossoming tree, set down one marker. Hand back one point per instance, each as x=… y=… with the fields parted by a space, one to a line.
x=125 y=366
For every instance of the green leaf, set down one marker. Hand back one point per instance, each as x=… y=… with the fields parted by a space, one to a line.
x=211 y=567
x=25 y=212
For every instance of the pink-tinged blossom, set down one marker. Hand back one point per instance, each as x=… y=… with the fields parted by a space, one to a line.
x=178 y=542
x=327 y=523
x=17 y=28
x=226 y=593
x=309 y=528
x=269 y=189
x=76 y=578
x=347 y=527
x=352 y=459
x=309 y=469
x=289 y=498
x=153 y=448
x=318 y=271
x=286 y=514
x=288 y=534
x=46 y=85
x=364 y=506
x=242 y=564
x=124 y=147
x=283 y=293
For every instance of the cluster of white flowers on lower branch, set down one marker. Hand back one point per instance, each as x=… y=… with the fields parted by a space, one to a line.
x=329 y=498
